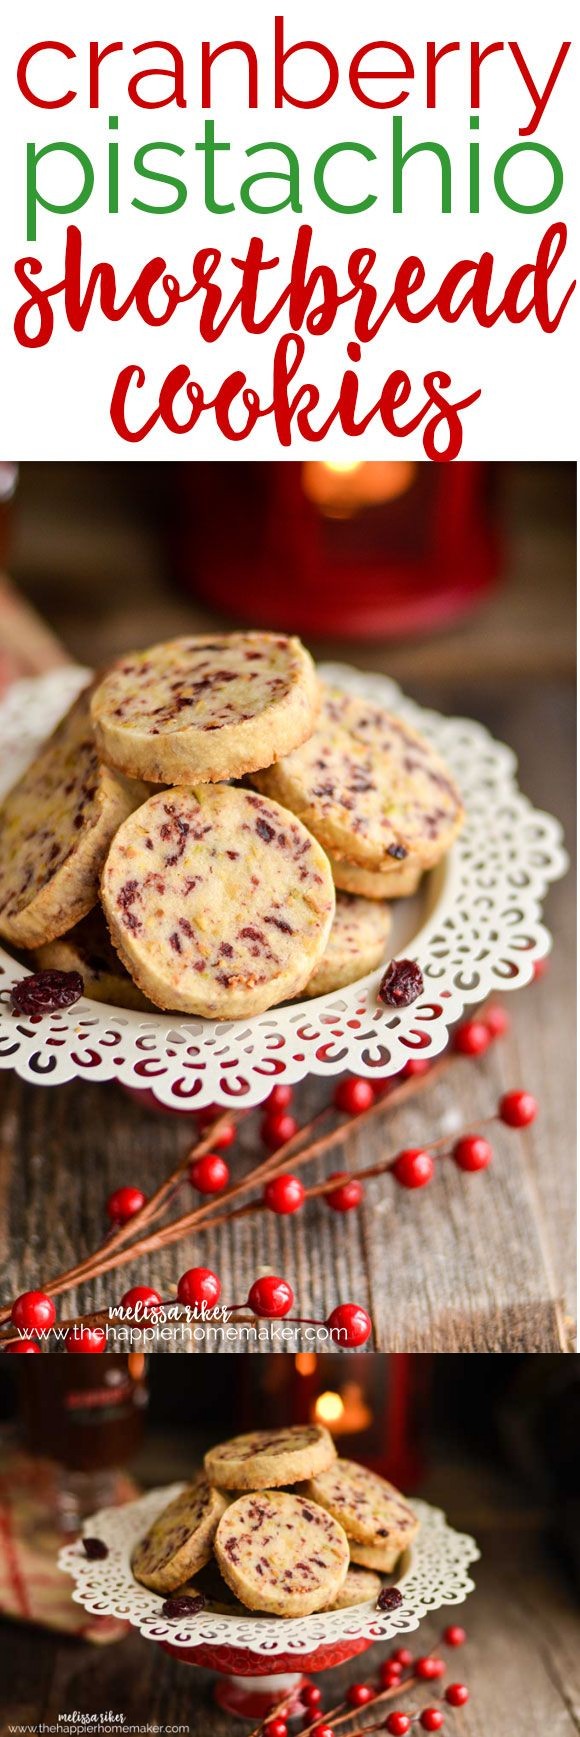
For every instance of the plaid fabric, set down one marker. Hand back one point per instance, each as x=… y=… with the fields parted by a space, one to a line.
x=32 y=1588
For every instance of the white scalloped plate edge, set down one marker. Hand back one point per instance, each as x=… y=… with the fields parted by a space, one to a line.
x=483 y=932
x=435 y=1575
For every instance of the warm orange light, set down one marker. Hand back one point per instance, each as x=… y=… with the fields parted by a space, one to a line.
x=344 y=1413
x=305 y=1362
x=341 y=490
x=329 y=1408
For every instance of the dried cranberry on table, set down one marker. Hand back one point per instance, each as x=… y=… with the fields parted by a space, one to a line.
x=46 y=992
x=401 y=984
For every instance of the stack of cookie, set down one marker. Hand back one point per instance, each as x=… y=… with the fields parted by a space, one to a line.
x=220 y=900
x=279 y=1522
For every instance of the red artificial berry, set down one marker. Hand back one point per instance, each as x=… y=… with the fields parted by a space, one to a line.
x=398 y=1724
x=25 y=1345
x=310 y=1695
x=472 y=1152
x=323 y=1731
x=33 y=1310
x=276 y=1129
x=348 y=1195
x=141 y=1298
x=541 y=966
x=497 y=1021
x=198 y=1285
x=350 y=1324
x=472 y=1038
x=270 y=1296
x=413 y=1168
x=457 y=1694
x=454 y=1636
x=284 y=1194
x=279 y=1099
x=402 y=1657
x=225 y=1136
x=428 y=1669
x=416 y=1065
x=85 y=1339
x=431 y=1719
x=517 y=1109
x=209 y=1174
x=124 y=1203
x=390 y=1675
x=353 y=1096
x=359 y=1694
x=275 y=1728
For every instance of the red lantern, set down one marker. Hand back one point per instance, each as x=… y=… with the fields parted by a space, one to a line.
x=354 y=550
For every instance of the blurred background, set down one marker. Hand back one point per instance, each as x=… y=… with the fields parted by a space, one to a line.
x=494 y=1441
x=458 y=569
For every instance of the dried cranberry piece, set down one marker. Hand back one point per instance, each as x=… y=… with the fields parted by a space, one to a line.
x=401 y=984
x=95 y=1549
x=389 y=1599
x=183 y=1605
x=46 y=992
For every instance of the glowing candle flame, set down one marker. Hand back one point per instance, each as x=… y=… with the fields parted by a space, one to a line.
x=343 y=489
x=329 y=1408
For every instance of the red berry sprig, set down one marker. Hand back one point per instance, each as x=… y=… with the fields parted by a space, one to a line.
x=124 y=1204
x=131 y=1214
x=209 y=1174
x=392 y=1685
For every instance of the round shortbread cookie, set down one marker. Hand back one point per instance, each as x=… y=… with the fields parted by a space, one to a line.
x=200 y=709
x=355 y=946
x=368 y=786
x=360 y=1587
x=280 y=1553
x=218 y=901
x=181 y=1538
x=372 y=1511
x=56 y=826
x=399 y=882
x=267 y=1458
x=87 y=948
x=383 y=1561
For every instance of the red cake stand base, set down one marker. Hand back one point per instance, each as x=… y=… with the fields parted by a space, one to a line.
x=248 y=1688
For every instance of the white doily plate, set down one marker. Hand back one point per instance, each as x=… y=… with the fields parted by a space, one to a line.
x=475 y=927
x=435 y=1573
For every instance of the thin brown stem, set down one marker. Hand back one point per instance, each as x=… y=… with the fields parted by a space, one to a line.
x=126 y=1244
x=341 y=1713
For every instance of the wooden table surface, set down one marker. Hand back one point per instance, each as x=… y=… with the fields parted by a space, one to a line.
x=473 y=1263
x=521 y=1661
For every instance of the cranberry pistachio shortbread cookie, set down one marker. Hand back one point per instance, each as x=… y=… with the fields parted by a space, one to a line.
x=379 y=1524
x=56 y=826
x=218 y=901
x=180 y=1541
x=392 y=883
x=267 y=1458
x=197 y=710
x=280 y=1553
x=360 y=1587
x=87 y=948
x=369 y=787
x=356 y=944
